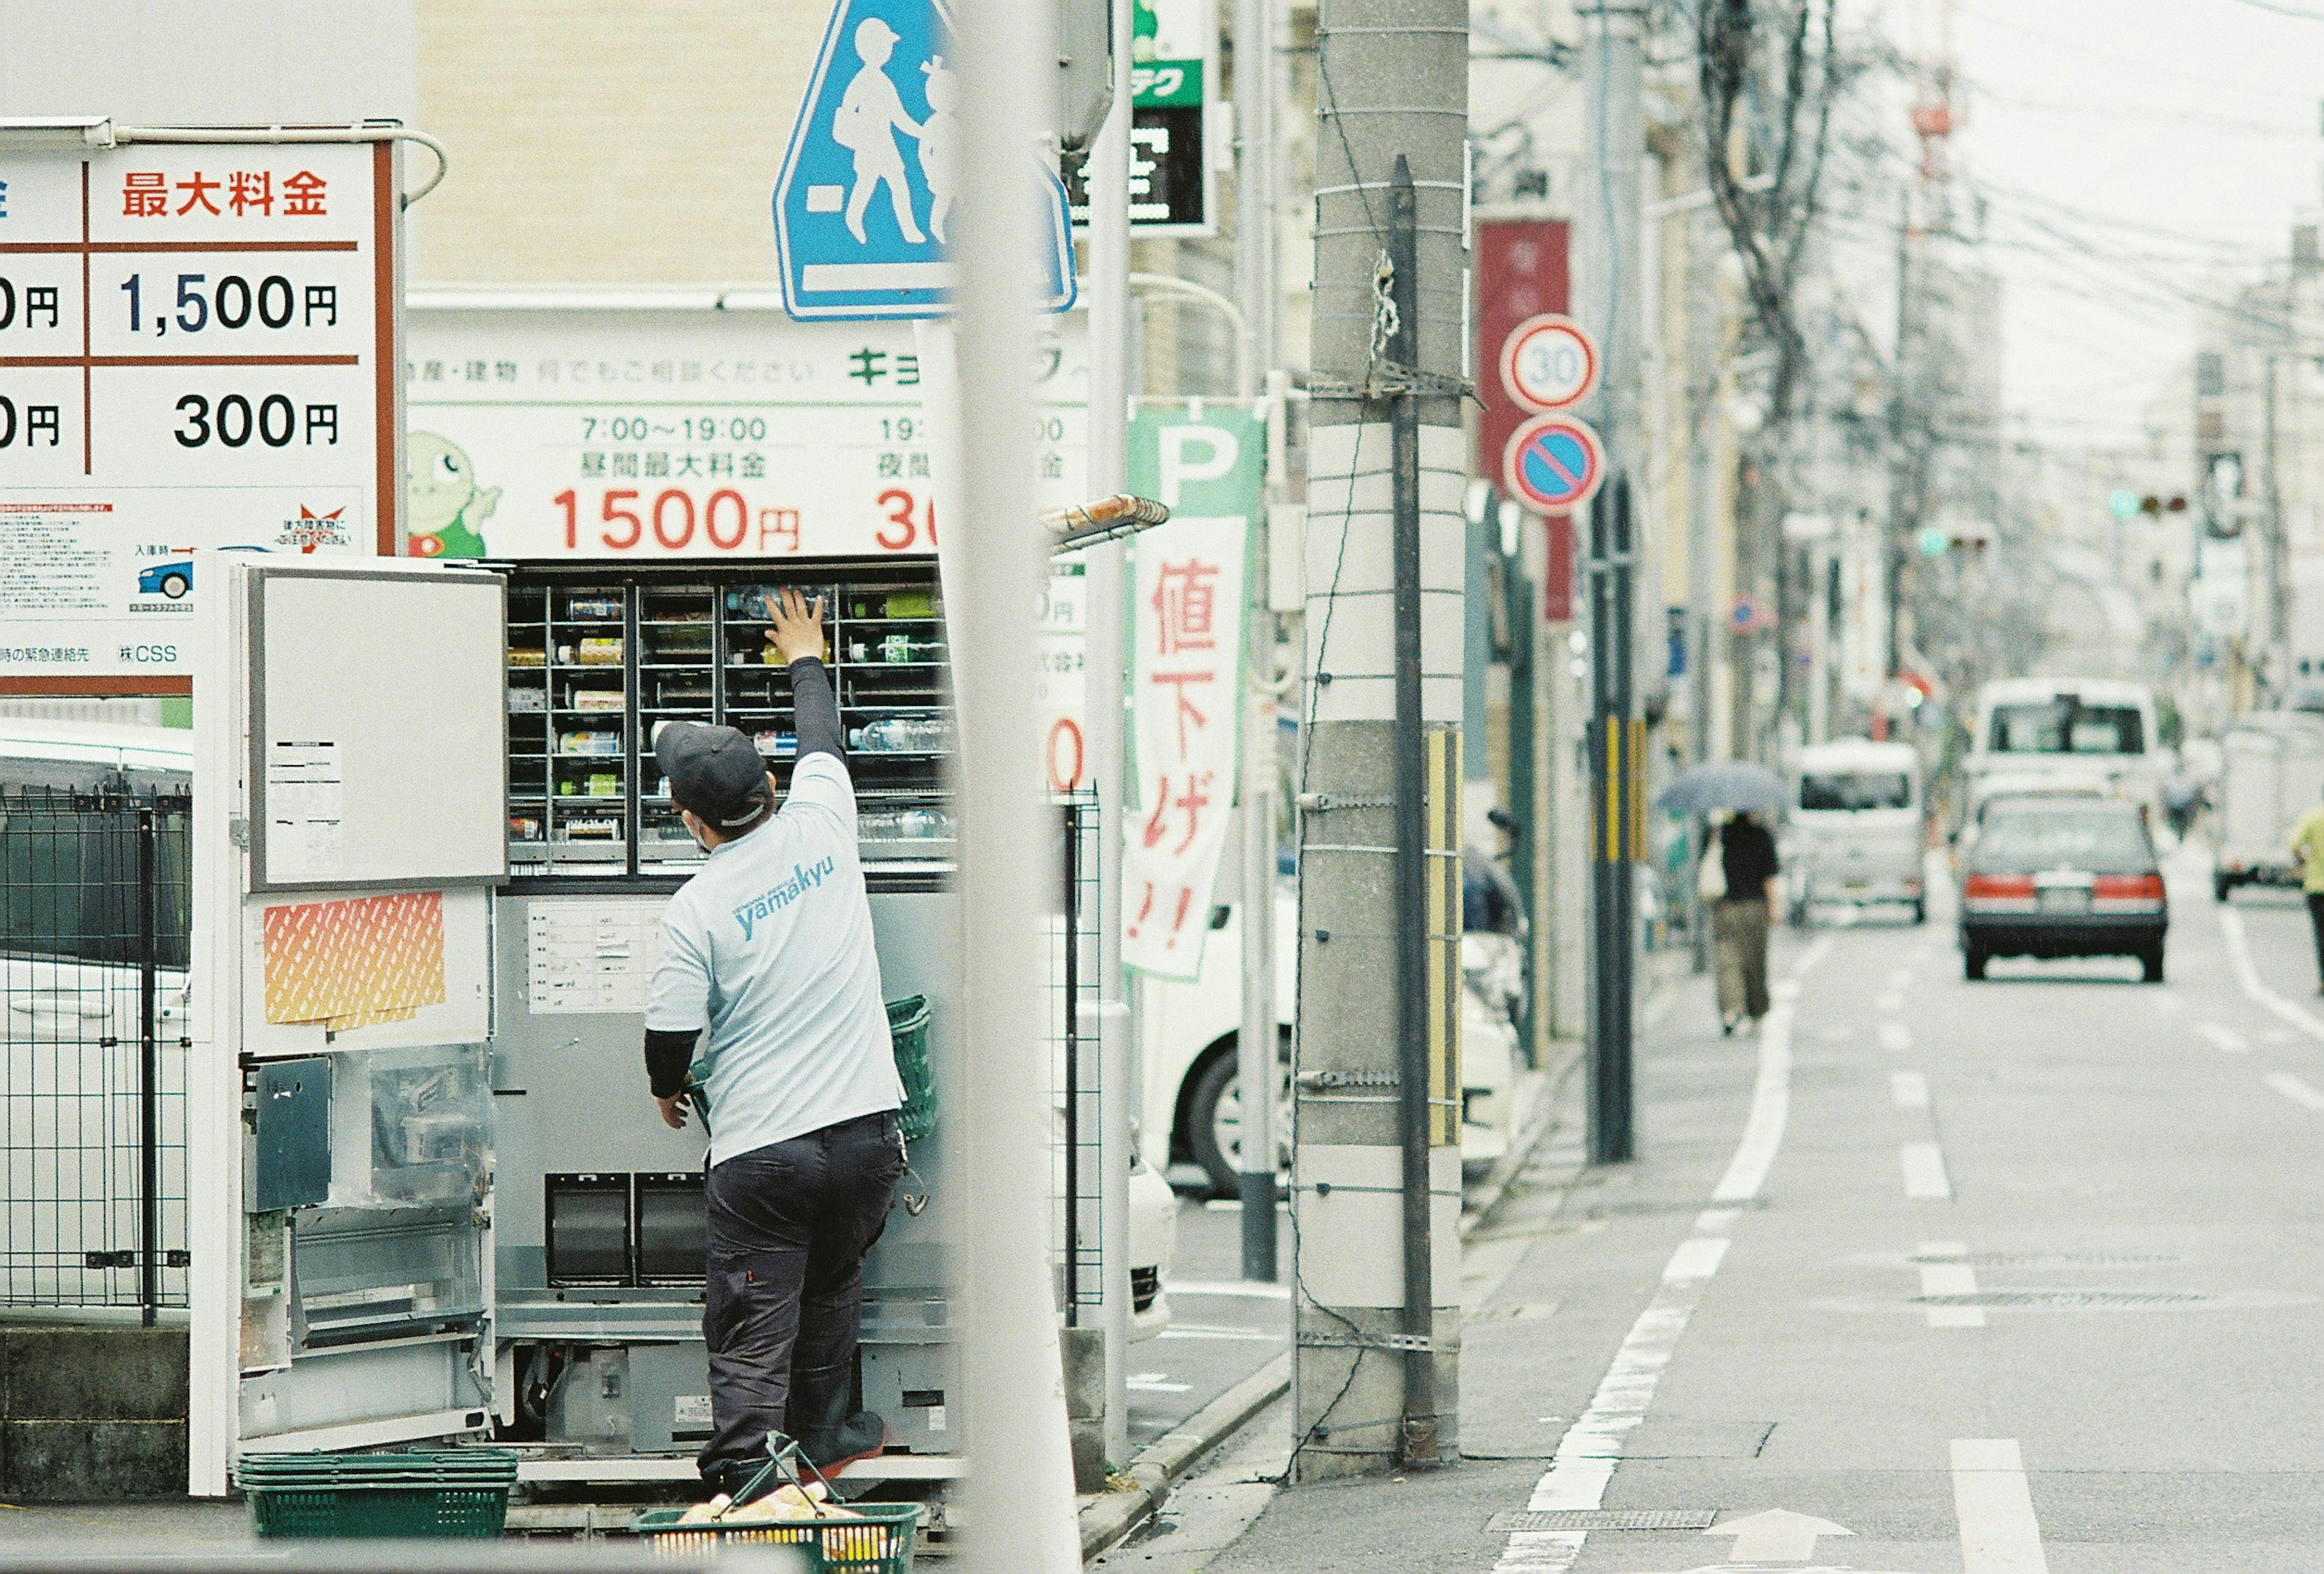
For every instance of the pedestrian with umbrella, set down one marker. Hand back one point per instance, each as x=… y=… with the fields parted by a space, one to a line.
x=1737 y=880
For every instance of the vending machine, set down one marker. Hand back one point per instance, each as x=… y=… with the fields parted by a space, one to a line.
x=599 y=1248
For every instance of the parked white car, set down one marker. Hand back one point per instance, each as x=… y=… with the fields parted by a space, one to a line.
x=73 y=1001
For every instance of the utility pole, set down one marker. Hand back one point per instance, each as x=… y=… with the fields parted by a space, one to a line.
x=1607 y=278
x=1255 y=287
x=1376 y=1173
x=1107 y=657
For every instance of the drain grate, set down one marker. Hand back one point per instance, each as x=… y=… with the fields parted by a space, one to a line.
x=2090 y=1298
x=2052 y=1259
x=1602 y=1518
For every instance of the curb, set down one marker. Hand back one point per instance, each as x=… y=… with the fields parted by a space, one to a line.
x=1109 y=1517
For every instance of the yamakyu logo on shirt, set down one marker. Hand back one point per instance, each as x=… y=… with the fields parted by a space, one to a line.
x=805 y=877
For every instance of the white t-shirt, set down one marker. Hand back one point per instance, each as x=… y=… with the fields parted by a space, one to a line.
x=769 y=947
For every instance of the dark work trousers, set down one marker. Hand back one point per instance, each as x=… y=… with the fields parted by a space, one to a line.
x=789 y=1225
x=2316 y=922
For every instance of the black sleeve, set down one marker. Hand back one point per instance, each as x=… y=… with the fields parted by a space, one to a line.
x=667 y=1056
x=816 y=713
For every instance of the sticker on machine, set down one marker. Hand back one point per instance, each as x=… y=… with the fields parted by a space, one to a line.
x=691 y=1413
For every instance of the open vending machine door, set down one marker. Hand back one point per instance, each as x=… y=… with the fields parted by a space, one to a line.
x=350 y=807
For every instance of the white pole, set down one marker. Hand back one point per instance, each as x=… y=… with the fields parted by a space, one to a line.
x=1106 y=660
x=1019 y=1494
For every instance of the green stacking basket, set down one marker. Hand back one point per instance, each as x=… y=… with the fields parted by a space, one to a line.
x=459 y=1492
x=877 y=1543
x=908 y=1025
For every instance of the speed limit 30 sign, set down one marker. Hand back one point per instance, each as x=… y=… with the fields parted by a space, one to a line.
x=1548 y=363
x=196 y=349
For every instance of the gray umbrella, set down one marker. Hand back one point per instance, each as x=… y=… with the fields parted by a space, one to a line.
x=1731 y=785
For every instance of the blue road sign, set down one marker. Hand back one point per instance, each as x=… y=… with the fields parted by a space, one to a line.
x=864 y=207
x=1553 y=464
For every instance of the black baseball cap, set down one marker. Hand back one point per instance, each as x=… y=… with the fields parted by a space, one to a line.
x=713 y=771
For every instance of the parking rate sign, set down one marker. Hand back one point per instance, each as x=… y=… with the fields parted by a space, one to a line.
x=190 y=355
x=864 y=207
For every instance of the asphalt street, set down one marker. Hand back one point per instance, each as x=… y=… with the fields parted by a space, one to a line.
x=1223 y=1328
x=1932 y=1276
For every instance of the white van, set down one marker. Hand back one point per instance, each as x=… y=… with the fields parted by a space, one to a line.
x=2088 y=735
x=1855 y=834
x=71 y=1006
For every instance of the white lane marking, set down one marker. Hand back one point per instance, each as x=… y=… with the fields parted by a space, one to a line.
x=2168 y=999
x=1199 y=1331
x=1234 y=1289
x=2222 y=1038
x=1953 y=1278
x=1999 y=1532
x=1910 y=1089
x=2293 y=1089
x=1896 y=1035
x=1716 y=1221
x=1155 y=1383
x=1696 y=1259
x=1890 y=1001
x=2231 y=924
x=1586 y=1455
x=1923 y=1165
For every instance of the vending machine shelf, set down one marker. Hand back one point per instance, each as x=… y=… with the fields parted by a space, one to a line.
x=598 y=657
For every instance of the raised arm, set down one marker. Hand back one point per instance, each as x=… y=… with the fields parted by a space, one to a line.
x=796 y=635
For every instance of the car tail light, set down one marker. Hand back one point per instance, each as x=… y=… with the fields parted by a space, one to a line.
x=2128 y=887
x=1992 y=885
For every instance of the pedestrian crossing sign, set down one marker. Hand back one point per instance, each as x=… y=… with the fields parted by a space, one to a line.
x=864 y=208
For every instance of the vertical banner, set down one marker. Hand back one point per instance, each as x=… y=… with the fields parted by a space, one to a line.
x=1521 y=272
x=1206 y=463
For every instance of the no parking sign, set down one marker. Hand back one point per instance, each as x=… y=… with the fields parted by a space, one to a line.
x=1553 y=464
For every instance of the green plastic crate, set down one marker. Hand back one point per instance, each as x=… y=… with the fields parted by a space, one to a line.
x=455 y=1492
x=908 y=1025
x=880 y=1542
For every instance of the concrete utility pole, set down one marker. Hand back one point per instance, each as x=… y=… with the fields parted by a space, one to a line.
x=1107 y=658
x=1607 y=285
x=1377 y=1175
x=1255 y=289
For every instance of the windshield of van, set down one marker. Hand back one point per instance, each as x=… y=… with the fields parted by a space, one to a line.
x=2026 y=838
x=2065 y=726
x=1853 y=790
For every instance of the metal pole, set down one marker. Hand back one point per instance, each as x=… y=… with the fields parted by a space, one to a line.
x=1072 y=906
x=149 y=1081
x=1520 y=613
x=1254 y=287
x=1019 y=1498
x=1613 y=772
x=1108 y=659
x=1419 y=1439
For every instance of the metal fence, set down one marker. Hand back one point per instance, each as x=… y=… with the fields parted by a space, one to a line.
x=1075 y=1178
x=95 y=917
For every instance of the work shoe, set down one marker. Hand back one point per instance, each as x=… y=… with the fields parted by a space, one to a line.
x=862 y=1436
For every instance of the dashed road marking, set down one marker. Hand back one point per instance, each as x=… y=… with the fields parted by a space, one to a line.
x=2169 y=1001
x=1999 y=1532
x=1891 y=1000
x=2222 y=1038
x=1896 y=1036
x=1910 y=1089
x=1923 y=1165
x=1955 y=1277
x=2293 y=1089
x=1587 y=1454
